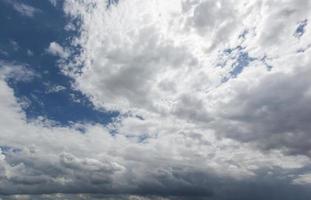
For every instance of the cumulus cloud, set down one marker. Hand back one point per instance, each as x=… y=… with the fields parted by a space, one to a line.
x=187 y=162
x=57 y=50
x=38 y=158
x=273 y=112
x=232 y=67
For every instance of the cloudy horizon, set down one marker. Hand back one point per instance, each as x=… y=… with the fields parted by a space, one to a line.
x=155 y=99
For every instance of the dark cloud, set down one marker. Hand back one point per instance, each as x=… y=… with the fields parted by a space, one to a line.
x=76 y=178
x=274 y=113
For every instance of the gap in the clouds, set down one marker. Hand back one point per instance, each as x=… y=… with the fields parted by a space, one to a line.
x=49 y=94
x=300 y=30
x=237 y=59
x=242 y=61
x=8 y=149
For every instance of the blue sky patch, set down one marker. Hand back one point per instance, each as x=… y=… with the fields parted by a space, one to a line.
x=242 y=61
x=24 y=40
x=240 y=58
x=300 y=30
x=237 y=59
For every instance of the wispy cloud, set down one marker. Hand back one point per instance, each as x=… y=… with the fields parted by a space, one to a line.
x=23 y=9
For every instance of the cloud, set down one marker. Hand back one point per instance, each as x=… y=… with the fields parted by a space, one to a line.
x=184 y=63
x=57 y=50
x=189 y=127
x=232 y=67
x=15 y=72
x=304 y=179
x=23 y=9
x=55 y=88
x=273 y=112
x=38 y=158
x=29 y=52
x=53 y=2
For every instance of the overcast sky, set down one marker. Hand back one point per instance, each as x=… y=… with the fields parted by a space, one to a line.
x=155 y=99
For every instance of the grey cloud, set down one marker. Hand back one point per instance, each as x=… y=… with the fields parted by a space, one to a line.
x=210 y=188
x=275 y=28
x=135 y=71
x=210 y=14
x=274 y=113
x=36 y=175
x=191 y=108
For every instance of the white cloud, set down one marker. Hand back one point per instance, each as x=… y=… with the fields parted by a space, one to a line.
x=304 y=179
x=161 y=60
x=16 y=72
x=55 y=88
x=57 y=50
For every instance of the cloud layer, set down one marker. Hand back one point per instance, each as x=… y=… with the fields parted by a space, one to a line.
x=239 y=68
x=213 y=99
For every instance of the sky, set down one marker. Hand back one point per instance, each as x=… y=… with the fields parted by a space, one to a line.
x=155 y=99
